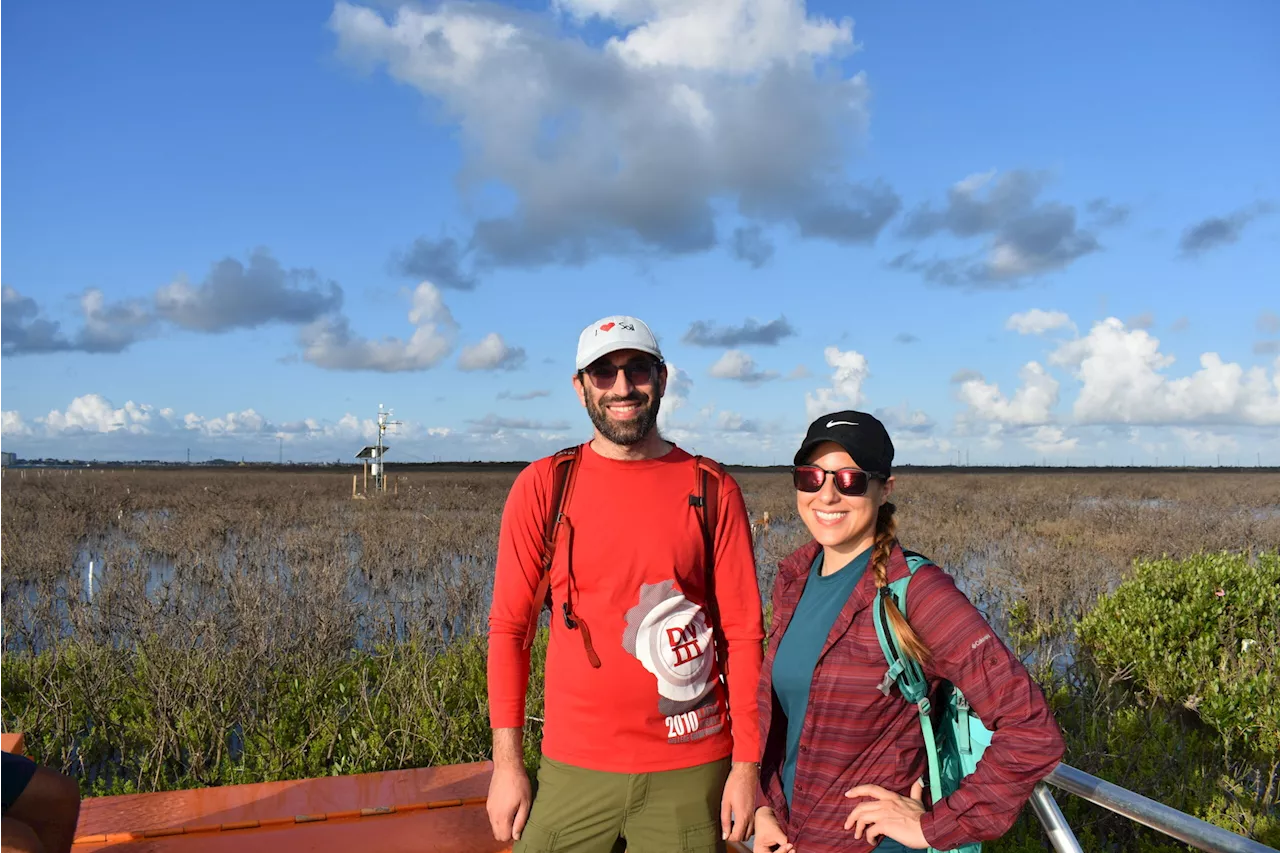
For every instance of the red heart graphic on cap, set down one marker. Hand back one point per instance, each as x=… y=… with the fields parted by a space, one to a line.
x=607 y=326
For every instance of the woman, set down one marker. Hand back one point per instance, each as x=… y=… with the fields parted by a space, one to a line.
x=843 y=761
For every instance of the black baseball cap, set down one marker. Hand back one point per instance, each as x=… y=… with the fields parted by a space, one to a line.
x=861 y=435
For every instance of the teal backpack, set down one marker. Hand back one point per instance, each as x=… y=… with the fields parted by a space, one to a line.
x=961 y=738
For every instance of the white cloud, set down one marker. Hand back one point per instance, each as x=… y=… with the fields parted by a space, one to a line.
x=1031 y=404
x=247 y=422
x=734 y=36
x=1051 y=439
x=901 y=418
x=329 y=343
x=634 y=145
x=734 y=422
x=1124 y=380
x=1037 y=322
x=1205 y=441
x=679 y=386
x=13 y=426
x=95 y=413
x=492 y=353
x=846 y=382
x=739 y=366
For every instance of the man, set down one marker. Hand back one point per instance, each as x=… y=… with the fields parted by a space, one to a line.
x=40 y=807
x=643 y=741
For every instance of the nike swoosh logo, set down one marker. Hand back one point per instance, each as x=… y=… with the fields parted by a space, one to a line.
x=830 y=424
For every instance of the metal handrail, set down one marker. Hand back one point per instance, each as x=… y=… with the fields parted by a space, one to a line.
x=1122 y=801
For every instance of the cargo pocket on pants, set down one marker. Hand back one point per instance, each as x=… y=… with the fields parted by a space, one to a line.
x=703 y=838
x=535 y=839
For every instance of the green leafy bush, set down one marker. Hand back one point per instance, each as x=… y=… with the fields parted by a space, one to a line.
x=1203 y=632
x=155 y=718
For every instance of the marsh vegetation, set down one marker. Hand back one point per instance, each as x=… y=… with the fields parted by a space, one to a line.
x=252 y=625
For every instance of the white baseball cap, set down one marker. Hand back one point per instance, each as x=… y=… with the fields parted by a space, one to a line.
x=611 y=334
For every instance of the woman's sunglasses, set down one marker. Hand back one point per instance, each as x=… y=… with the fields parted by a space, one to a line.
x=851 y=482
x=605 y=373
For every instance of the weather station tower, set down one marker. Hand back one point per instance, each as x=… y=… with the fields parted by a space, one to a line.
x=374 y=456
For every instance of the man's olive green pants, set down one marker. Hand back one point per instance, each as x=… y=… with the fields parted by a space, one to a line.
x=591 y=811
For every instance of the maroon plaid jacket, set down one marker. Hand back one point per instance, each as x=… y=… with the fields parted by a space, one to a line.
x=853 y=734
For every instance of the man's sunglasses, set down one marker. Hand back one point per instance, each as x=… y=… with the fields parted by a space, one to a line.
x=851 y=482
x=605 y=373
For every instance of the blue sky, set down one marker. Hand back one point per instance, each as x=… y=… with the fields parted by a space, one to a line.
x=1016 y=231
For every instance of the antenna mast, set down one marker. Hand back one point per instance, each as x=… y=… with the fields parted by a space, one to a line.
x=379 y=466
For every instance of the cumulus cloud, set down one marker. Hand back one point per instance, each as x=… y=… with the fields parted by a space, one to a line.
x=906 y=338
x=741 y=367
x=1050 y=439
x=105 y=327
x=1031 y=404
x=632 y=146
x=12 y=425
x=95 y=413
x=676 y=396
x=734 y=422
x=850 y=371
x=1026 y=237
x=329 y=342
x=1124 y=379
x=902 y=418
x=492 y=353
x=1180 y=325
x=236 y=296
x=704 y=334
x=24 y=330
x=112 y=327
x=1218 y=231
x=437 y=261
x=1206 y=441
x=1269 y=323
x=1271 y=347
x=1037 y=322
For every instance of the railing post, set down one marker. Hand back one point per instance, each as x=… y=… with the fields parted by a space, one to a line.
x=1060 y=834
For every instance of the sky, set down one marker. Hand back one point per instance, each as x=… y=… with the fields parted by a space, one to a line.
x=1018 y=233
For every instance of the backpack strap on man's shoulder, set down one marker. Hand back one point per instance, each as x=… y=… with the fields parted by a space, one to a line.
x=706 y=503
x=706 y=498
x=564 y=471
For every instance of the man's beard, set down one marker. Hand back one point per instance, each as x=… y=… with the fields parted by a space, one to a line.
x=625 y=433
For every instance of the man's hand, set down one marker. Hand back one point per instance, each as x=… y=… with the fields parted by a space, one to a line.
x=510 y=794
x=769 y=835
x=510 y=797
x=738 y=805
x=888 y=815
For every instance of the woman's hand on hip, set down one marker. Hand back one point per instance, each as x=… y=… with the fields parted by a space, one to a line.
x=769 y=835
x=888 y=814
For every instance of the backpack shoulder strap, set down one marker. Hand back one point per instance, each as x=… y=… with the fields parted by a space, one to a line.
x=905 y=671
x=706 y=503
x=706 y=498
x=564 y=470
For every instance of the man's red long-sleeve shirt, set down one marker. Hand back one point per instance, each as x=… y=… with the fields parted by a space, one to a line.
x=656 y=702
